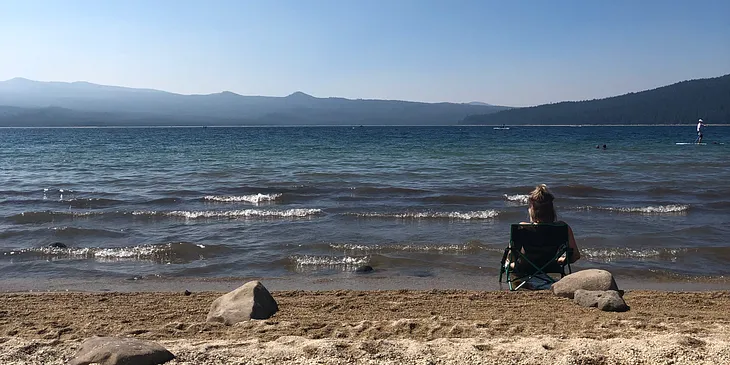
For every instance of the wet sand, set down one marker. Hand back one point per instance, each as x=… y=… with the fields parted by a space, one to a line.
x=383 y=327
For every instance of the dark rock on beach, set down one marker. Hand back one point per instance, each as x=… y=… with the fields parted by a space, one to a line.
x=250 y=301
x=612 y=302
x=57 y=245
x=121 y=351
x=605 y=300
x=364 y=269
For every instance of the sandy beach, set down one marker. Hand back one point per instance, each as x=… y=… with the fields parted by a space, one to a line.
x=378 y=327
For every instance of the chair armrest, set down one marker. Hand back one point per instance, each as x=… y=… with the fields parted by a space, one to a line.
x=504 y=259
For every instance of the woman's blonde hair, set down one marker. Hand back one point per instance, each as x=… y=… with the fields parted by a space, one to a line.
x=541 y=205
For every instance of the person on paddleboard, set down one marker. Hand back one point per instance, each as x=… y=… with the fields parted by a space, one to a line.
x=700 y=128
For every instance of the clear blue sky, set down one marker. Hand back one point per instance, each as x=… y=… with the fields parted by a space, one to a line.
x=521 y=52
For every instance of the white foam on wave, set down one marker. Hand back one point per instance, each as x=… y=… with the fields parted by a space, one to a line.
x=136 y=252
x=253 y=198
x=51 y=190
x=671 y=208
x=518 y=198
x=245 y=213
x=347 y=261
x=58 y=213
x=483 y=214
x=406 y=247
x=144 y=252
x=60 y=192
x=612 y=254
x=159 y=253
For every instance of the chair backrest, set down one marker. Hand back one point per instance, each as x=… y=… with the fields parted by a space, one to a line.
x=539 y=243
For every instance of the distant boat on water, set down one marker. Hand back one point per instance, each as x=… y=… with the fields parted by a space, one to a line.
x=503 y=127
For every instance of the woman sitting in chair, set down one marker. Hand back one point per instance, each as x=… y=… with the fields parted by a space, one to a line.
x=541 y=210
x=541 y=243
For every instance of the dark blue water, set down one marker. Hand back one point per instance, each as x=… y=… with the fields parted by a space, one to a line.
x=322 y=201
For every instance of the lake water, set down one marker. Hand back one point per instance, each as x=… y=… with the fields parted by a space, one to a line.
x=318 y=202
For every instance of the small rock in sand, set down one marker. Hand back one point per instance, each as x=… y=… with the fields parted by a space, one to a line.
x=364 y=269
x=605 y=300
x=121 y=351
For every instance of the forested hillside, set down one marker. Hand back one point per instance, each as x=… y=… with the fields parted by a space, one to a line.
x=683 y=102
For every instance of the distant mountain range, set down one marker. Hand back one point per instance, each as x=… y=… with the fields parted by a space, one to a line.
x=683 y=102
x=26 y=102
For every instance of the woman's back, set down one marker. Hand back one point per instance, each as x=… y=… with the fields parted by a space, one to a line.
x=542 y=211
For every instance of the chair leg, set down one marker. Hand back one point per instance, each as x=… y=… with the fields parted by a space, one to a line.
x=530 y=281
x=520 y=285
x=502 y=262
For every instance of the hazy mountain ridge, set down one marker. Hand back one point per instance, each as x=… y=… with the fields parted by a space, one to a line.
x=682 y=102
x=111 y=105
x=61 y=117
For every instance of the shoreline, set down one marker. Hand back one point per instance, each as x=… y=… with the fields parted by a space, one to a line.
x=351 y=281
x=352 y=125
x=388 y=327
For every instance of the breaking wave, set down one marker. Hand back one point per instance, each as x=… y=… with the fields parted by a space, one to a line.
x=484 y=214
x=178 y=252
x=611 y=254
x=517 y=198
x=471 y=247
x=253 y=198
x=245 y=213
x=53 y=216
x=313 y=262
x=659 y=209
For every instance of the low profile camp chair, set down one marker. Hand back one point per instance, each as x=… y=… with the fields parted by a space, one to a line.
x=533 y=252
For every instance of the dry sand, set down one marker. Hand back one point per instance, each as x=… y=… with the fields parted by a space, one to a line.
x=379 y=327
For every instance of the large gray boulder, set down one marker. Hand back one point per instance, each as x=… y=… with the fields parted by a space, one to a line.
x=121 y=351
x=250 y=301
x=591 y=279
x=605 y=300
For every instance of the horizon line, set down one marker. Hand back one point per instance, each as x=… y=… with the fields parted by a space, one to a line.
x=350 y=126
